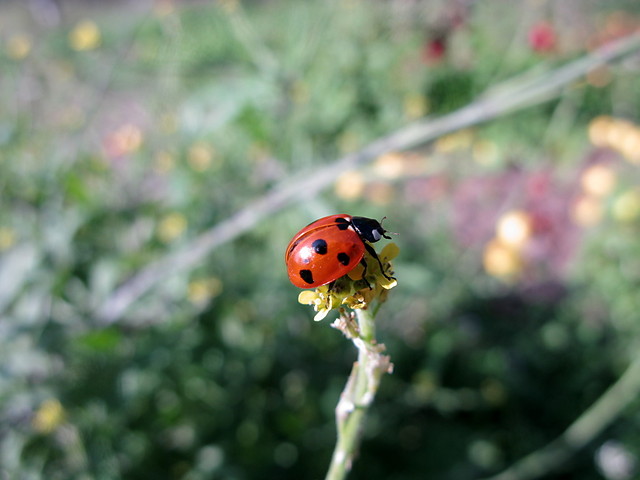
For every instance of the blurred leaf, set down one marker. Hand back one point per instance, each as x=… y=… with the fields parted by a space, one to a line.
x=212 y=107
x=17 y=267
x=101 y=341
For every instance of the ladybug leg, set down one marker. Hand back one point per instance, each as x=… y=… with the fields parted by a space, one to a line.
x=373 y=253
x=364 y=273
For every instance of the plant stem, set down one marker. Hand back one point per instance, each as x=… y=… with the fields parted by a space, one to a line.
x=357 y=396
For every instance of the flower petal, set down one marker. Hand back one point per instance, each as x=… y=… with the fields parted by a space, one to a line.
x=307 y=297
x=389 y=252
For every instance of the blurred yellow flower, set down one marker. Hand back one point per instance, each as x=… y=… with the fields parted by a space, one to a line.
x=19 y=46
x=599 y=129
x=48 y=417
x=454 y=141
x=598 y=180
x=7 y=238
x=630 y=146
x=514 y=228
x=626 y=207
x=617 y=134
x=415 y=106
x=350 y=185
x=390 y=165
x=85 y=36
x=202 y=290
x=485 y=152
x=171 y=227
x=587 y=210
x=200 y=156
x=501 y=260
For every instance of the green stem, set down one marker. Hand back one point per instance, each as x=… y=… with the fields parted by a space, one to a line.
x=357 y=396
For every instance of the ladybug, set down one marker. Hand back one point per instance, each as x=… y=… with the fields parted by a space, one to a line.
x=331 y=247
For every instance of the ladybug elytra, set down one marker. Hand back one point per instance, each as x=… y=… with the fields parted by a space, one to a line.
x=331 y=247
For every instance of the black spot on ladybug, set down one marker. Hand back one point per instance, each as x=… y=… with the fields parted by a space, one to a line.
x=344 y=259
x=342 y=223
x=307 y=276
x=319 y=246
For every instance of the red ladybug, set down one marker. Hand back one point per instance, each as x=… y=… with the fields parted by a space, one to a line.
x=331 y=247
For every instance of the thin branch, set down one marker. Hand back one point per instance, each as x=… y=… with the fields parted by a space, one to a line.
x=500 y=102
x=582 y=431
x=358 y=393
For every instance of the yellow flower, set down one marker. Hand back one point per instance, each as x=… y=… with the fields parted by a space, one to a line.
x=85 y=36
x=353 y=290
x=350 y=185
x=587 y=210
x=48 y=417
x=514 y=228
x=485 y=152
x=171 y=227
x=388 y=253
x=598 y=180
x=501 y=260
x=626 y=208
x=390 y=165
x=599 y=129
x=19 y=46
x=201 y=156
x=453 y=142
x=415 y=106
x=320 y=298
x=7 y=238
x=202 y=290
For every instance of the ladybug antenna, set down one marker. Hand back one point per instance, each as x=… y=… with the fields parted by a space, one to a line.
x=387 y=231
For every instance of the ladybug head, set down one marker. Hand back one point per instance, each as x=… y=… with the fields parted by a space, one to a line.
x=369 y=229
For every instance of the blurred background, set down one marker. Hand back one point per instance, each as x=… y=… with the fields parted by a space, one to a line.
x=147 y=326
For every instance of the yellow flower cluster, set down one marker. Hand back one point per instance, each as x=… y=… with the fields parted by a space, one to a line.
x=502 y=256
x=617 y=134
x=171 y=227
x=19 y=46
x=353 y=290
x=597 y=183
x=48 y=417
x=85 y=36
x=204 y=289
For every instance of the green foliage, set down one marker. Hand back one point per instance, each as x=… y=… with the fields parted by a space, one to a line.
x=120 y=154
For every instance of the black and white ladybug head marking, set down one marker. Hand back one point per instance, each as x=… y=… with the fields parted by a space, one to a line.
x=369 y=229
